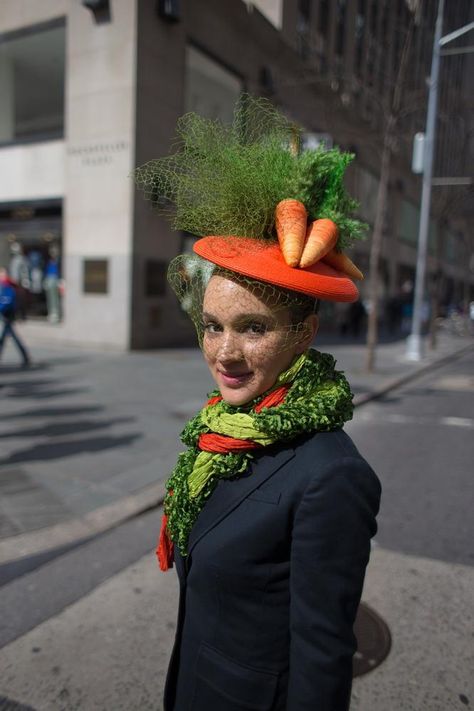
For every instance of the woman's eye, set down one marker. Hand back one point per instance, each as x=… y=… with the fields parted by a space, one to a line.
x=256 y=328
x=212 y=327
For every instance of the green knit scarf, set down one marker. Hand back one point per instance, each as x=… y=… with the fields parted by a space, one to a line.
x=319 y=399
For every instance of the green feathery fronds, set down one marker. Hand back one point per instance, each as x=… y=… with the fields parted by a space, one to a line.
x=319 y=185
x=227 y=180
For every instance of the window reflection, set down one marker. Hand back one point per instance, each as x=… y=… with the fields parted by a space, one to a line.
x=32 y=84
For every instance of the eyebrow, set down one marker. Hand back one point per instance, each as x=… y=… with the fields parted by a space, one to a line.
x=243 y=317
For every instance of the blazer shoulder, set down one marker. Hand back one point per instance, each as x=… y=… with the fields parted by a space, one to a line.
x=326 y=447
x=323 y=455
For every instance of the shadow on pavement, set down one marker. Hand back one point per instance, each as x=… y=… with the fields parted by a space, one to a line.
x=15 y=568
x=388 y=399
x=53 y=412
x=59 y=429
x=58 y=450
x=8 y=368
x=11 y=705
x=43 y=394
x=27 y=384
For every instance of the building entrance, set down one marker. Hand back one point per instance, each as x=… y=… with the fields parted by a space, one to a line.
x=30 y=249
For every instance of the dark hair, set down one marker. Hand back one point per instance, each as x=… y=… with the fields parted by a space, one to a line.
x=302 y=306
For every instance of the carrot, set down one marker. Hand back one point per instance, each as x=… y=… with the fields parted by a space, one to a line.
x=321 y=237
x=290 y=221
x=341 y=261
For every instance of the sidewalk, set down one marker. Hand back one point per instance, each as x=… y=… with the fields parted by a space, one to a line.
x=88 y=438
x=111 y=648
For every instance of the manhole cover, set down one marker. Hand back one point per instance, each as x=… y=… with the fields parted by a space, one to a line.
x=373 y=640
x=10 y=705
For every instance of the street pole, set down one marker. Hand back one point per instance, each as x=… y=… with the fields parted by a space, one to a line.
x=414 y=341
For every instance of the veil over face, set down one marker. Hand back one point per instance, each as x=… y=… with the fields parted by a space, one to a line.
x=248 y=340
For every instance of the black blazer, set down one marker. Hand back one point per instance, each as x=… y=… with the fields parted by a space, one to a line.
x=272 y=581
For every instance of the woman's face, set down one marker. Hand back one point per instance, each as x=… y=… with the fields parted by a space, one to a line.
x=246 y=342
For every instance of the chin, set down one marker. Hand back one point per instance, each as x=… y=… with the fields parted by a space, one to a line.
x=236 y=398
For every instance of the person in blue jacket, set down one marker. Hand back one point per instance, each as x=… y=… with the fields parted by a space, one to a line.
x=8 y=307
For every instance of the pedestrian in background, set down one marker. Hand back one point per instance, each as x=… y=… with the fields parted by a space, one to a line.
x=269 y=513
x=8 y=309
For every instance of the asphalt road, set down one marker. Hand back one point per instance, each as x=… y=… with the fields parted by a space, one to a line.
x=420 y=441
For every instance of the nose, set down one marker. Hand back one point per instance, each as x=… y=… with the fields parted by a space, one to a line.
x=230 y=348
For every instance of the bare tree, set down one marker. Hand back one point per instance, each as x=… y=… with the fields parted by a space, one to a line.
x=390 y=140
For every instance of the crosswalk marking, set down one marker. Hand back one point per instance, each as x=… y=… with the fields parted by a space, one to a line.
x=401 y=419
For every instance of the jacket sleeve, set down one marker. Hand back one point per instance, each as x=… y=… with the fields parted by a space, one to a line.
x=330 y=550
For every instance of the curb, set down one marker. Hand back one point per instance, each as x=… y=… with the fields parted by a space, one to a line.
x=81 y=529
x=415 y=373
x=107 y=517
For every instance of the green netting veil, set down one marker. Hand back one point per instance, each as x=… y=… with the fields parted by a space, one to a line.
x=227 y=180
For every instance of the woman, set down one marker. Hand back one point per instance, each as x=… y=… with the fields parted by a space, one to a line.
x=270 y=511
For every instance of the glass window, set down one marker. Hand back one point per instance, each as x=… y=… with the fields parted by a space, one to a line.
x=410 y=225
x=32 y=84
x=383 y=43
x=359 y=35
x=323 y=16
x=340 y=26
x=210 y=89
x=453 y=248
x=409 y=221
x=30 y=248
x=373 y=17
x=432 y=236
x=366 y=189
x=303 y=28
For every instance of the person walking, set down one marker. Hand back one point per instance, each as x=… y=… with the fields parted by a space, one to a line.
x=8 y=308
x=269 y=512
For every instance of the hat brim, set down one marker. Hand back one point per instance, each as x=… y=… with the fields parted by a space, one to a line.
x=264 y=261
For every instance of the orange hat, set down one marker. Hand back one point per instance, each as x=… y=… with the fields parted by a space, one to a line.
x=264 y=262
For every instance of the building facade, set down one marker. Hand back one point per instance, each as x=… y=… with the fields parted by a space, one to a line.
x=90 y=90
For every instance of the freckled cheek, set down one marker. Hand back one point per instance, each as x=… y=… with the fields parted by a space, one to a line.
x=209 y=348
x=264 y=353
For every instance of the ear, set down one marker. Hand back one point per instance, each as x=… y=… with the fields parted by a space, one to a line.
x=311 y=325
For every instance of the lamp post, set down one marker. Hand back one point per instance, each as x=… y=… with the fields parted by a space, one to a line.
x=414 y=341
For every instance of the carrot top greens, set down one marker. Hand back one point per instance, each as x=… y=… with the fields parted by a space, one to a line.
x=227 y=180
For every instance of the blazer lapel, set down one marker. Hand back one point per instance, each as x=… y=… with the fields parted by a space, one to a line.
x=229 y=494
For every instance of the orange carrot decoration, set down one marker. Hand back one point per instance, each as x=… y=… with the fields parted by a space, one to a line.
x=341 y=261
x=321 y=237
x=290 y=221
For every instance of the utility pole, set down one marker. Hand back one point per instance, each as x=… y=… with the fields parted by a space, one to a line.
x=414 y=342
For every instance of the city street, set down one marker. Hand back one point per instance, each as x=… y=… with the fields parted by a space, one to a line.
x=420 y=440
x=92 y=628
x=258 y=177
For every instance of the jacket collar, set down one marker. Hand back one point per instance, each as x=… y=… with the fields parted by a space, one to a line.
x=228 y=495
